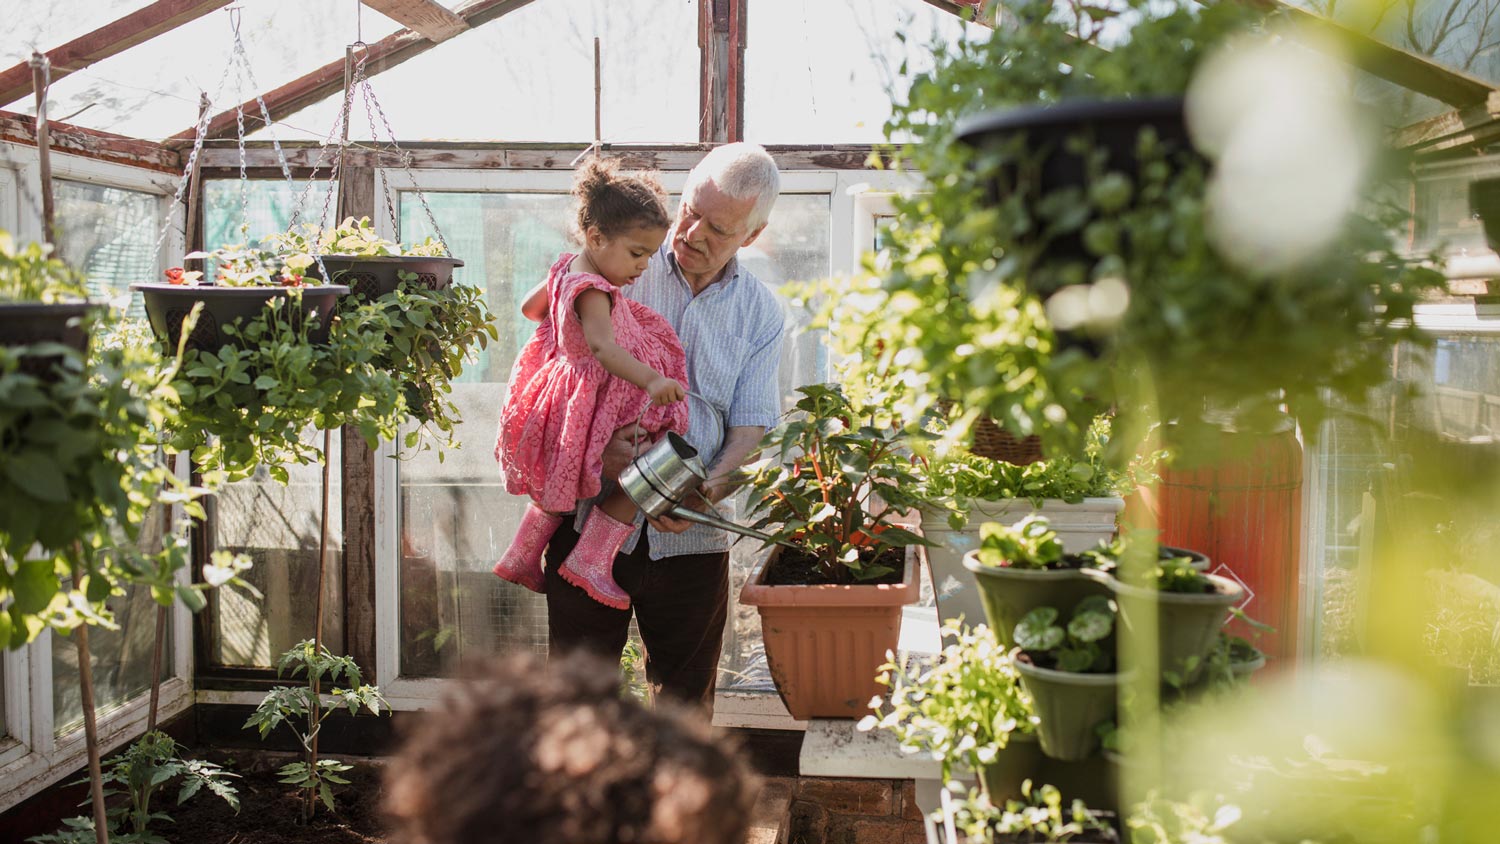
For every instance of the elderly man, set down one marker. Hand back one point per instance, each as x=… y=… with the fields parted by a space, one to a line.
x=676 y=572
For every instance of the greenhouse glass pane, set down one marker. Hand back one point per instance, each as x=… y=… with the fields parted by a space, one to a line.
x=236 y=211
x=120 y=659
x=36 y=24
x=529 y=76
x=1459 y=380
x=825 y=72
x=277 y=526
x=455 y=516
x=1443 y=218
x=151 y=90
x=109 y=234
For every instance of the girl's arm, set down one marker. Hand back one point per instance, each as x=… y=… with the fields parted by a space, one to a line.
x=593 y=311
x=534 y=307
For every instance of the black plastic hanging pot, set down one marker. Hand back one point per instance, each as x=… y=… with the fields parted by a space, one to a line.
x=374 y=276
x=29 y=323
x=168 y=305
x=1114 y=126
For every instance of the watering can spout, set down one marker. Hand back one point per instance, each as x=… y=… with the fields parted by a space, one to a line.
x=660 y=481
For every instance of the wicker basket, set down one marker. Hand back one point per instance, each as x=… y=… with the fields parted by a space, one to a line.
x=992 y=441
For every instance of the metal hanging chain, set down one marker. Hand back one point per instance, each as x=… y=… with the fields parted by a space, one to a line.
x=265 y=113
x=200 y=132
x=371 y=102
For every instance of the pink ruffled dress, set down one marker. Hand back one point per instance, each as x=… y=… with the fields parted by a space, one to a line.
x=563 y=407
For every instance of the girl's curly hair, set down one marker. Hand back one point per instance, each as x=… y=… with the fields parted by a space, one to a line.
x=615 y=202
x=553 y=753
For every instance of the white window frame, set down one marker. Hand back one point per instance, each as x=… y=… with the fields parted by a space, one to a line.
x=855 y=198
x=32 y=757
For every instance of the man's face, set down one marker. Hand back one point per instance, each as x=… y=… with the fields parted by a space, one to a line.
x=711 y=226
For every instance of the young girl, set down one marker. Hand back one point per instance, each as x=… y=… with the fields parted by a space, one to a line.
x=594 y=364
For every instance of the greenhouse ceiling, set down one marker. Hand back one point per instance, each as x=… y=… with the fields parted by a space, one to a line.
x=813 y=71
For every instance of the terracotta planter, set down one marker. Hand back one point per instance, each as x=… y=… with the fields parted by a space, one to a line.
x=1188 y=625
x=825 y=644
x=375 y=276
x=167 y=305
x=1068 y=708
x=1010 y=593
x=1080 y=526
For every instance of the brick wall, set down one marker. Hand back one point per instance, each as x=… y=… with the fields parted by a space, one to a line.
x=854 y=811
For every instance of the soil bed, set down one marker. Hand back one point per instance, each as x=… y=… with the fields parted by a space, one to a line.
x=271 y=814
x=796 y=568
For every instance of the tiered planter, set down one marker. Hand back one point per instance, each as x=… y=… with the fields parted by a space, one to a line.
x=1068 y=707
x=1080 y=526
x=826 y=643
x=168 y=305
x=374 y=276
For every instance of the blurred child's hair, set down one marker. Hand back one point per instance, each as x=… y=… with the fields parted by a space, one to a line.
x=554 y=753
x=616 y=202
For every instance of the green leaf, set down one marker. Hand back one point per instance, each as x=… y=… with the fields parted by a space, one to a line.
x=37 y=474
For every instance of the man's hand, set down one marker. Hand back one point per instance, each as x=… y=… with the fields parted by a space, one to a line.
x=713 y=490
x=618 y=451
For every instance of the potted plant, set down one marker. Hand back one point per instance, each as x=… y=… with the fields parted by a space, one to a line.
x=830 y=605
x=1079 y=496
x=431 y=325
x=966 y=710
x=989 y=296
x=1023 y=566
x=247 y=280
x=41 y=301
x=1190 y=608
x=1069 y=672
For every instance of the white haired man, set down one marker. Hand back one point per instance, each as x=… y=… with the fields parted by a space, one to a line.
x=676 y=572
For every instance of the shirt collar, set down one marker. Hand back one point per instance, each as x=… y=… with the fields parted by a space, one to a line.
x=731 y=269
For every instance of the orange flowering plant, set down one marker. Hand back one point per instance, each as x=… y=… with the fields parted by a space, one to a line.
x=837 y=479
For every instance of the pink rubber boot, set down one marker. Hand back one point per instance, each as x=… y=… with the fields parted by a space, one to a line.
x=591 y=565
x=523 y=562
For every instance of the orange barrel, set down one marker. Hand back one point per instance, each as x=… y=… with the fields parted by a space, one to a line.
x=1245 y=512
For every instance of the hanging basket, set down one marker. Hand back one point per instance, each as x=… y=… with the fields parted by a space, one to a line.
x=371 y=277
x=990 y=440
x=168 y=305
x=28 y=323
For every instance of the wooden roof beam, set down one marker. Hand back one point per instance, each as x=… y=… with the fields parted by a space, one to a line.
x=431 y=19
x=327 y=80
x=108 y=40
x=1409 y=70
x=1476 y=125
x=970 y=12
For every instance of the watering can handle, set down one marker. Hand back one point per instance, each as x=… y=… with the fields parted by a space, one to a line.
x=635 y=439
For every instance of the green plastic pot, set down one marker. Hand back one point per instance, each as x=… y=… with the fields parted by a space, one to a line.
x=1188 y=624
x=1018 y=761
x=1068 y=707
x=1008 y=593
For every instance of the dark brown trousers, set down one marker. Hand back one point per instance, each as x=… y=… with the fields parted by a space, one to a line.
x=680 y=605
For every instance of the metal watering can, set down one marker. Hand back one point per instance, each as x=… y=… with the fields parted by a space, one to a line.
x=660 y=481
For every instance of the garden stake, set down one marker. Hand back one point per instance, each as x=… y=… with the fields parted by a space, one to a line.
x=90 y=726
x=41 y=71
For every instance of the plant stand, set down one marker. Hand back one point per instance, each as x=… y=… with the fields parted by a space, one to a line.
x=825 y=644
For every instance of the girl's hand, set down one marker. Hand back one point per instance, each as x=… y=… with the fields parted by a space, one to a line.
x=665 y=390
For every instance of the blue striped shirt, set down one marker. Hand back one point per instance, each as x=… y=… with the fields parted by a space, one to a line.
x=732 y=334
